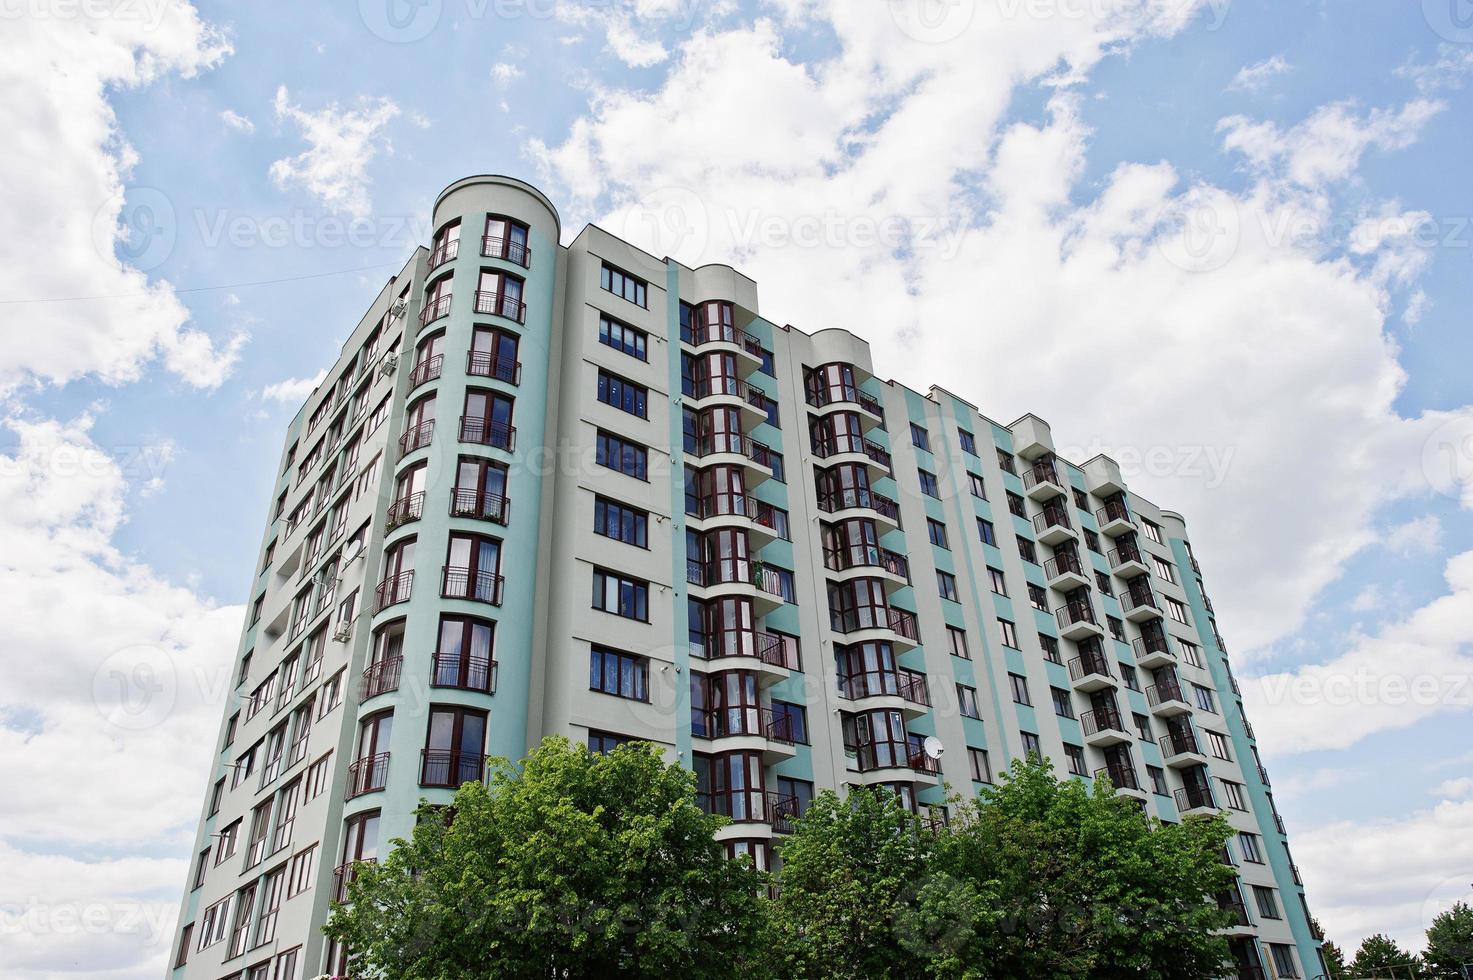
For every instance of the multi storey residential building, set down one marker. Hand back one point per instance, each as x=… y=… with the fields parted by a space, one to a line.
x=583 y=490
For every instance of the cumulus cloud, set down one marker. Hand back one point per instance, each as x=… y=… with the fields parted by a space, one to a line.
x=237 y=122
x=341 y=144
x=504 y=73
x=1450 y=70
x=1422 y=536
x=1255 y=77
x=293 y=390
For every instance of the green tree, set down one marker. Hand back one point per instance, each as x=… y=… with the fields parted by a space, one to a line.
x=1088 y=886
x=1380 y=957
x=576 y=865
x=1450 y=944
x=860 y=899
x=1333 y=955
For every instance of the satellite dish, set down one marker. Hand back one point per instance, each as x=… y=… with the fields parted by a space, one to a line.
x=352 y=551
x=932 y=747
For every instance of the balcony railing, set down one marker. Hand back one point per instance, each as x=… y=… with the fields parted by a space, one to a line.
x=479 y=505
x=1232 y=901
x=1178 y=743
x=1149 y=643
x=766 y=647
x=734 y=571
x=1063 y=563
x=739 y=505
x=394 y=589
x=1195 y=797
x=434 y=309
x=343 y=876
x=485 y=364
x=1040 y=472
x=1091 y=663
x=885 y=683
x=826 y=445
x=1263 y=775
x=1114 y=510
x=1126 y=553
x=921 y=762
x=500 y=304
x=484 y=432
x=725 y=384
x=1079 y=611
x=867 y=556
x=1139 y=598
x=899 y=621
x=825 y=395
x=855 y=497
x=426 y=370
x=416 y=437
x=462 y=583
x=1164 y=691
x=448 y=250
x=781 y=810
x=732 y=442
x=367 y=775
x=1121 y=777
x=449 y=768
x=468 y=673
x=1100 y=720
x=747 y=720
x=1051 y=517
x=701 y=334
x=407 y=508
x=495 y=247
x=380 y=677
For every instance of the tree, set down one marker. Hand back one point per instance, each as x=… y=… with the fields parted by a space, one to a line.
x=1332 y=954
x=1089 y=886
x=859 y=897
x=1450 y=944
x=578 y=865
x=1380 y=957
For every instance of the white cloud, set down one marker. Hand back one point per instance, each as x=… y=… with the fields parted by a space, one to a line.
x=1453 y=65
x=1456 y=788
x=237 y=122
x=92 y=311
x=1368 y=599
x=1255 y=78
x=503 y=74
x=341 y=145
x=1409 y=670
x=1391 y=876
x=1422 y=536
x=293 y=390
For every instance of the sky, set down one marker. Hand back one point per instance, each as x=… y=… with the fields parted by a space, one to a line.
x=1226 y=241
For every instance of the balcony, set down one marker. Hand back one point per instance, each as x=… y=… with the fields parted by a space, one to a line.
x=1127 y=561
x=869 y=558
x=739 y=448
x=1139 y=602
x=1180 y=749
x=462 y=583
x=781 y=811
x=1167 y=699
x=393 y=590
x=449 y=768
x=758 y=517
x=479 y=505
x=757 y=725
x=836 y=502
x=827 y=397
x=380 y=677
x=445 y=253
x=367 y=775
x=484 y=364
x=1195 y=799
x=1104 y=727
x=1232 y=901
x=463 y=672
x=484 y=432
x=750 y=649
x=434 y=309
x=851 y=447
x=1121 y=777
x=730 y=391
x=344 y=875
x=416 y=437
x=1041 y=481
x=517 y=253
x=1053 y=527
x=426 y=370
x=1077 y=620
x=1153 y=649
x=500 y=304
x=1091 y=672
x=746 y=346
x=899 y=624
x=1248 y=729
x=903 y=689
x=1263 y=776
x=407 y=508
x=1065 y=572
x=1114 y=518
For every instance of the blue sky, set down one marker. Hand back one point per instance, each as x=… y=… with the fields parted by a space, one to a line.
x=1057 y=143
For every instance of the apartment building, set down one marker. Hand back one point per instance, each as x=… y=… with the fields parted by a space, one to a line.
x=586 y=491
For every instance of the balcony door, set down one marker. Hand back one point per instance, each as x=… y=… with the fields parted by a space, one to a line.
x=480 y=489
x=472 y=567
x=494 y=354
x=455 y=747
x=463 y=657
x=487 y=418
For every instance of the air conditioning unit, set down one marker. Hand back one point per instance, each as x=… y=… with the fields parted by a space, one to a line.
x=400 y=305
x=343 y=632
x=388 y=364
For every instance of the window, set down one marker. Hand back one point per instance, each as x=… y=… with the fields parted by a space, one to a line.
x=602 y=743
x=1031 y=745
x=956 y=641
x=300 y=871
x=270 y=905
x=1019 y=685
x=1080 y=499
x=629 y=458
x=230 y=727
x=1005 y=461
x=1203 y=697
x=997 y=580
x=1158 y=780
x=946 y=584
x=624 y=675
x=1102 y=582
x=316 y=779
x=182 y=955
x=1128 y=675
x=1092 y=541
x=929 y=486
x=1164 y=570
x=260 y=825
x=621 y=522
x=967 y=440
x=1050 y=646
x=201 y=866
x=1176 y=610
x=1075 y=755
x=1015 y=505
x=1248 y=844
x=1037 y=597
x=981 y=768
x=623 y=394
x=332 y=693
x=977 y=486
x=623 y=285
x=1218 y=743
x=1235 y=798
x=622 y=337
x=1283 y=957
x=1027 y=550
x=1142 y=726
x=790 y=721
x=1191 y=653
x=1117 y=627
x=1009 y=634
x=627 y=597
x=245 y=904
x=214 y=923
x=966 y=701
x=936 y=531
x=986 y=531
x=1063 y=704
x=285 y=967
x=919 y=437
x=216 y=795
x=1153 y=530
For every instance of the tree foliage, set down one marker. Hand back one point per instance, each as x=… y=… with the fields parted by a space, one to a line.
x=1380 y=957
x=576 y=865
x=1450 y=944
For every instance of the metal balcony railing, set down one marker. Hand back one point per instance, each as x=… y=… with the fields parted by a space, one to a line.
x=500 y=304
x=494 y=247
x=367 y=775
